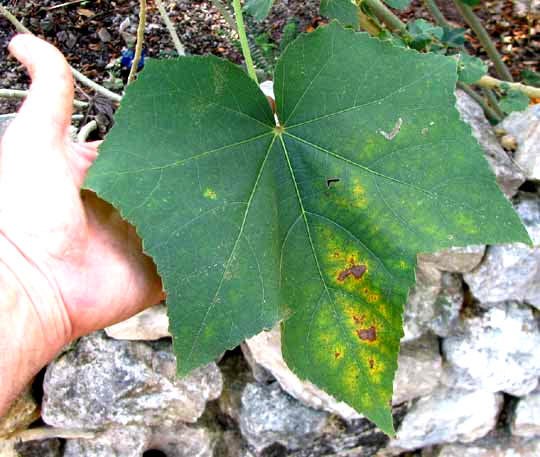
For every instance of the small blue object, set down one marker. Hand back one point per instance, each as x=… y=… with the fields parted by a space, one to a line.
x=127 y=58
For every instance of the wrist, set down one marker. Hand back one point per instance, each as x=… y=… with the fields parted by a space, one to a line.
x=34 y=325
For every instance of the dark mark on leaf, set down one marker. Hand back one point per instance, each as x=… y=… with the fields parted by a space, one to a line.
x=337 y=355
x=367 y=334
x=356 y=270
x=371 y=364
x=359 y=320
x=331 y=181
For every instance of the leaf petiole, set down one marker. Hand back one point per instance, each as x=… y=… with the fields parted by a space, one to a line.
x=243 y=40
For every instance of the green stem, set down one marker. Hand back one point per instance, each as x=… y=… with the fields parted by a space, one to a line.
x=385 y=15
x=489 y=112
x=243 y=40
x=140 y=41
x=492 y=100
x=479 y=30
x=437 y=14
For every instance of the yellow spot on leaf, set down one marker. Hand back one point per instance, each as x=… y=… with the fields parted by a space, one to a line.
x=209 y=193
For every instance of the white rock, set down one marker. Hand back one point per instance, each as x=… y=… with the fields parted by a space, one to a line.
x=150 y=324
x=265 y=350
x=418 y=311
x=525 y=127
x=104 y=382
x=508 y=175
x=497 y=351
x=455 y=260
x=526 y=421
x=511 y=271
x=419 y=369
x=447 y=305
x=514 y=447
x=448 y=415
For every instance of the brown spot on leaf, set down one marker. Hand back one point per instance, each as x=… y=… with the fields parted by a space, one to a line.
x=367 y=334
x=337 y=255
x=359 y=319
x=356 y=270
x=337 y=355
x=331 y=181
x=371 y=364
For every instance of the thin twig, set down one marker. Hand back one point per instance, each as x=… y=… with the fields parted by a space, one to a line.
x=45 y=433
x=489 y=112
x=14 y=93
x=170 y=27
x=86 y=130
x=492 y=83
x=73 y=2
x=140 y=41
x=485 y=40
x=78 y=75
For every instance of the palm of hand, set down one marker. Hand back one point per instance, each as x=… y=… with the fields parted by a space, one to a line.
x=88 y=255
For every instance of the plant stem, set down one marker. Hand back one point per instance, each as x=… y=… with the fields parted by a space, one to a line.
x=86 y=130
x=140 y=41
x=78 y=75
x=385 y=15
x=491 y=83
x=492 y=100
x=437 y=14
x=170 y=27
x=13 y=93
x=243 y=40
x=489 y=112
x=482 y=35
x=224 y=11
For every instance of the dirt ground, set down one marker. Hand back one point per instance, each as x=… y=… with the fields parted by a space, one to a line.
x=88 y=33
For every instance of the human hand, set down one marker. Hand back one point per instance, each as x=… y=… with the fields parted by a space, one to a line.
x=78 y=266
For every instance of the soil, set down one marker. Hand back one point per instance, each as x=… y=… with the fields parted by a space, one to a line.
x=88 y=33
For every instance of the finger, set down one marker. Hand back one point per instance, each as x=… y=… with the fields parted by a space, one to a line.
x=47 y=108
x=82 y=156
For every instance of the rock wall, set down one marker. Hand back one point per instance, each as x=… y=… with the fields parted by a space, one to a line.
x=467 y=382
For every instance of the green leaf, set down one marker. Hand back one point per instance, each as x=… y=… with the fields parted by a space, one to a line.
x=423 y=33
x=532 y=78
x=398 y=4
x=344 y=11
x=514 y=100
x=470 y=2
x=454 y=37
x=259 y=9
x=317 y=221
x=470 y=68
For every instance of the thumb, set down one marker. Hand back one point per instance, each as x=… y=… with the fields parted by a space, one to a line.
x=47 y=109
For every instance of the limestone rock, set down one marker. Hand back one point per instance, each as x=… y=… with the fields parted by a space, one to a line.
x=497 y=351
x=515 y=447
x=447 y=415
x=512 y=271
x=508 y=175
x=43 y=448
x=104 y=382
x=125 y=441
x=526 y=420
x=455 y=260
x=419 y=369
x=177 y=440
x=20 y=415
x=525 y=128
x=265 y=351
x=269 y=415
x=419 y=311
x=150 y=324
x=447 y=305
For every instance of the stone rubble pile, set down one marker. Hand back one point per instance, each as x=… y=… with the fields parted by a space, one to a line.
x=466 y=385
